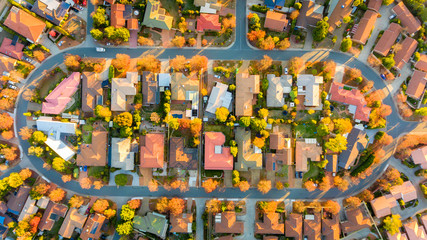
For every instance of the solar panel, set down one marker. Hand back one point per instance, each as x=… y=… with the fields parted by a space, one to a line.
x=94 y=228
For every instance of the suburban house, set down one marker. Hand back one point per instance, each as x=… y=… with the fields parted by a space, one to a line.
x=121 y=154
x=375 y=5
x=332 y=165
x=341 y=10
x=276 y=21
x=274 y=4
x=208 y=6
x=150 y=89
x=152 y=150
x=282 y=154
x=293 y=226
x=29 y=209
x=277 y=88
x=153 y=223
x=382 y=205
x=217 y=157
x=226 y=222
x=7 y=65
x=410 y=23
x=405 y=191
x=120 y=89
x=312 y=226
x=184 y=88
x=309 y=86
x=180 y=156
x=271 y=224
x=58 y=99
x=356 y=219
x=92 y=228
x=397 y=236
x=421 y=64
x=12 y=48
x=52 y=10
x=364 y=27
x=52 y=214
x=354 y=98
x=414 y=231
x=43 y=202
x=388 y=39
x=402 y=56
x=247 y=87
x=331 y=227
x=16 y=202
x=248 y=155
x=24 y=24
x=309 y=15
x=92 y=92
x=73 y=220
x=307 y=150
x=219 y=97
x=417 y=85
x=121 y=16
x=356 y=142
x=182 y=223
x=419 y=156
x=164 y=80
x=94 y=154
x=208 y=22
x=155 y=16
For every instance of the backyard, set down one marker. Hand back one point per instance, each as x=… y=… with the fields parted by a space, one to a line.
x=306 y=130
x=313 y=172
x=50 y=81
x=87 y=133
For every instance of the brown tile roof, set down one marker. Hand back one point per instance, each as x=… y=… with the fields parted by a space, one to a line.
x=304 y=152
x=357 y=219
x=414 y=231
x=152 y=150
x=92 y=228
x=409 y=22
x=3 y=207
x=7 y=64
x=181 y=223
x=375 y=5
x=91 y=91
x=94 y=154
x=10 y=50
x=312 y=227
x=307 y=16
x=365 y=27
x=270 y=237
x=397 y=236
x=180 y=156
x=293 y=226
x=275 y=21
x=24 y=24
x=228 y=237
x=419 y=156
x=180 y=84
x=417 y=84
x=331 y=227
x=226 y=222
x=339 y=12
x=18 y=199
x=382 y=205
x=132 y=24
x=73 y=220
x=246 y=87
x=117 y=19
x=422 y=63
x=281 y=157
x=403 y=55
x=53 y=212
x=277 y=141
x=405 y=191
x=388 y=39
x=150 y=88
x=217 y=157
x=270 y=225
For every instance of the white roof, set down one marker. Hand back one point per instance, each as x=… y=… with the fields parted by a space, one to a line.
x=310 y=140
x=192 y=96
x=220 y=97
x=43 y=202
x=164 y=79
x=46 y=124
x=51 y=4
x=207 y=9
x=60 y=148
x=121 y=155
x=277 y=86
x=312 y=88
x=122 y=87
x=29 y=209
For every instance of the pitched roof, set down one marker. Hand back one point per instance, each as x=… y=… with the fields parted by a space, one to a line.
x=180 y=156
x=405 y=191
x=94 y=154
x=397 y=236
x=382 y=205
x=17 y=200
x=248 y=156
x=181 y=84
x=153 y=223
x=419 y=156
x=217 y=157
x=275 y=21
x=312 y=227
x=155 y=16
x=375 y=5
x=356 y=142
x=277 y=86
x=417 y=84
x=353 y=97
x=92 y=227
x=309 y=14
x=150 y=88
x=309 y=86
x=279 y=142
x=121 y=154
x=181 y=223
x=411 y=24
x=332 y=163
x=387 y=40
x=293 y=226
x=270 y=224
x=152 y=150
x=331 y=227
x=208 y=22
x=365 y=26
x=132 y=24
x=58 y=99
x=7 y=64
x=422 y=63
x=12 y=49
x=52 y=10
x=29 y=209
x=122 y=87
x=219 y=97
x=306 y=151
x=246 y=87
x=414 y=231
x=24 y=24
x=73 y=220
x=357 y=219
x=53 y=212
x=403 y=55
x=226 y=222
x=3 y=207
x=92 y=91
x=117 y=19
x=341 y=10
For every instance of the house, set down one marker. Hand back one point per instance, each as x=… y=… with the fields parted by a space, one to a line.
x=414 y=231
x=275 y=21
x=152 y=150
x=382 y=205
x=341 y=10
x=208 y=6
x=53 y=130
x=29 y=209
x=405 y=191
x=270 y=225
x=283 y=152
x=92 y=227
x=293 y=226
x=94 y=154
x=332 y=165
x=408 y=21
x=52 y=10
x=365 y=27
x=312 y=226
x=180 y=156
x=43 y=202
x=397 y=236
x=121 y=155
x=7 y=65
x=12 y=48
x=52 y=214
x=155 y=16
x=277 y=88
x=387 y=40
x=354 y=98
x=182 y=223
x=58 y=99
x=92 y=92
x=24 y=24
x=356 y=142
x=120 y=89
x=150 y=89
x=247 y=86
x=422 y=63
x=72 y=221
x=375 y=5
x=306 y=151
x=331 y=227
x=182 y=87
x=356 y=219
x=309 y=86
x=217 y=157
x=153 y=223
x=248 y=155
x=419 y=156
x=274 y=4
x=309 y=15
x=226 y=222
x=405 y=52
x=417 y=85
x=219 y=97
x=16 y=202
x=164 y=80
x=208 y=22
x=121 y=16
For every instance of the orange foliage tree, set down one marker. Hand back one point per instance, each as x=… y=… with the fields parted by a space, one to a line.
x=134 y=203
x=264 y=186
x=244 y=186
x=176 y=206
x=153 y=186
x=100 y=205
x=210 y=185
x=352 y=202
x=310 y=186
x=57 y=195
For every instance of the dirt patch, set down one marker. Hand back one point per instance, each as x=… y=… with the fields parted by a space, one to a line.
x=76 y=26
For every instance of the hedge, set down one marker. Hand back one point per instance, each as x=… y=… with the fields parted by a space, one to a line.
x=366 y=160
x=261 y=9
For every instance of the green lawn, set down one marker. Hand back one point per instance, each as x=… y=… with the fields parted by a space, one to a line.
x=306 y=130
x=87 y=133
x=312 y=172
x=50 y=82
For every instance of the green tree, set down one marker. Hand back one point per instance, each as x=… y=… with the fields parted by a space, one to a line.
x=322 y=130
x=234 y=150
x=109 y=32
x=245 y=121
x=126 y=132
x=346 y=44
x=103 y=112
x=346 y=19
x=321 y=30
x=417 y=56
x=173 y=123
x=222 y=114
x=356 y=3
x=122 y=34
x=97 y=34
x=337 y=144
x=38 y=137
x=258 y=124
x=421 y=112
x=36 y=151
x=124 y=229
x=100 y=18
x=123 y=120
x=387 y=2
x=58 y=164
x=127 y=213
x=14 y=180
x=392 y=224
x=388 y=62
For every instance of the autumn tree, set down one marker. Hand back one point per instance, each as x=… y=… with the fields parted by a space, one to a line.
x=310 y=186
x=341 y=183
x=9 y=154
x=264 y=63
x=109 y=213
x=176 y=206
x=325 y=185
x=383 y=138
x=298 y=207
x=162 y=205
x=149 y=63
x=85 y=183
x=25 y=133
x=76 y=201
x=57 y=195
x=39 y=55
x=337 y=144
x=264 y=186
x=392 y=224
x=256 y=35
x=346 y=44
x=125 y=228
x=103 y=112
x=213 y=206
x=366 y=196
x=295 y=65
x=143 y=41
x=210 y=185
x=342 y=125
x=97 y=184
x=6 y=121
x=7 y=134
x=124 y=119
x=72 y=62
x=352 y=202
x=25 y=174
x=38 y=137
x=178 y=63
x=268 y=206
x=39 y=191
x=178 y=41
x=294 y=15
x=332 y=206
x=59 y=164
x=244 y=186
x=100 y=205
x=266 y=43
x=283 y=44
x=14 y=180
x=222 y=114
x=198 y=62
x=127 y=214
x=192 y=42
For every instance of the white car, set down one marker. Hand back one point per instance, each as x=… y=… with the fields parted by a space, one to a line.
x=100 y=49
x=286 y=70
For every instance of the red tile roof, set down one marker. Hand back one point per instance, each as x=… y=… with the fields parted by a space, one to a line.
x=94 y=154
x=353 y=97
x=24 y=24
x=7 y=64
x=217 y=157
x=382 y=205
x=208 y=22
x=275 y=21
x=357 y=219
x=270 y=225
x=10 y=50
x=411 y=24
x=294 y=226
x=152 y=150
x=422 y=63
x=181 y=223
x=228 y=223
x=117 y=19
x=375 y=5
x=388 y=39
x=312 y=227
x=331 y=227
x=403 y=55
x=417 y=84
x=405 y=191
x=365 y=27
x=341 y=10
x=419 y=156
x=92 y=228
x=132 y=24
x=53 y=212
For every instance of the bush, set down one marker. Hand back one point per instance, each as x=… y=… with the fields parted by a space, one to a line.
x=366 y=160
x=257 y=8
x=121 y=179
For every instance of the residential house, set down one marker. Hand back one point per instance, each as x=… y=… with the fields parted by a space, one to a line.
x=309 y=15
x=150 y=89
x=120 y=89
x=16 y=202
x=208 y=6
x=219 y=97
x=305 y=151
x=153 y=223
x=92 y=227
x=7 y=65
x=73 y=220
x=356 y=142
x=397 y=236
x=408 y=21
x=382 y=205
x=422 y=63
x=387 y=40
x=94 y=154
x=331 y=227
x=226 y=222
x=419 y=156
x=182 y=223
x=52 y=10
x=276 y=21
x=414 y=231
x=365 y=27
x=247 y=87
x=208 y=22
x=52 y=214
x=25 y=24
x=293 y=226
x=279 y=4
x=405 y=191
x=332 y=165
x=356 y=219
x=375 y=5
x=402 y=56
x=354 y=98
x=283 y=152
x=277 y=88
x=121 y=16
x=43 y=202
x=121 y=154
x=417 y=85
x=12 y=48
x=58 y=99
x=180 y=156
x=271 y=224
x=312 y=226
x=92 y=92
x=248 y=155
x=155 y=16
x=185 y=88
x=164 y=80
x=29 y=209
x=217 y=157
x=309 y=86
x=152 y=150
x=341 y=10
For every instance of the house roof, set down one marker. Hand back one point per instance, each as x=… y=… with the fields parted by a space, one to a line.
x=219 y=97
x=283 y=156
x=226 y=222
x=248 y=156
x=121 y=154
x=403 y=55
x=53 y=212
x=409 y=22
x=122 y=87
x=353 y=97
x=279 y=142
x=208 y=22
x=132 y=24
x=43 y=202
x=164 y=79
x=356 y=142
x=274 y=3
x=419 y=156
x=17 y=200
x=152 y=150
x=357 y=219
x=387 y=40
x=306 y=151
x=117 y=19
x=24 y=24
x=155 y=16
x=365 y=26
x=58 y=99
x=270 y=224
x=332 y=163
x=7 y=64
x=181 y=223
x=73 y=220
x=246 y=87
x=3 y=207
x=52 y=10
x=181 y=84
x=275 y=21
x=397 y=236
x=312 y=227
x=277 y=86
x=92 y=227
x=405 y=191
x=180 y=156
x=153 y=223
x=293 y=226
x=150 y=88
x=375 y=5
x=422 y=63
x=217 y=157
x=341 y=10
x=309 y=14
x=331 y=227
x=12 y=48
x=29 y=209
x=417 y=84
x=92 y=91
x=309 y=86
x=94 y=154
x=382 y=205
x=414 y=231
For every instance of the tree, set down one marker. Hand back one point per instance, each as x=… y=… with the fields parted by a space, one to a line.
x=321 y=30
x=332 y=207
x=178 y=41
x=9 y=154
x=421 y=111
x=121 y=35
x=176 y=206
x=36 y=151
x=178 y=63
x=57 y=195
x=392 y=224
x=134 y=203
x=100 y=18
x=125 y=228
x=255 y=35
x=123 y=119
x=263 y=113
x=153 y=186
x=72 y=62
x=356 y=3
x=341 y=183
x=39 y=55
x=121 y=62
x=264 y=186
x=210 y=185
x=352 y=202
x=109 y=213
x=143 y=41
x=245 y=121
x=25 y=133
x=337 y=144
x=7 y=134
x=298 y=206
x=14 y=180
x=384 y=139
x=294 y=15
x=103 y=112
x=346 y=44
x=6 y=121
x=198 y=62
x=25 y=174
x=196 y=127
x=58 y=164
x=264 y=63
x=39 y=191
x=325 y=185
x=295 y=65
x=322 y=130
x=387 y=2
x=268 y=206
x=258 y=124
x=310 y=186
x=100 y=205
x=213 y=206
x=222 y=114
x=244 y=186
x=366 y=196
x=258 y=142
x=121 y=179
x=162 y=204
x=149 y=63
x=192 y=42
x=266 y=43
x=85 y=183
x=127 y=214
x=76 y=201
x=97 y=34
x=182 y=25
x=283 y=44
x=342 y=126
x=388 y=62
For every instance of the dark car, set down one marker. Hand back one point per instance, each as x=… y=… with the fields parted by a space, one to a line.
x=74 y=9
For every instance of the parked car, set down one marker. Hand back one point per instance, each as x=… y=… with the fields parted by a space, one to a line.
x=13 y=87
x=74 y=9
x=392 y=16
x=286 y=70
x=383 y=76
x=79 y=7
x=100 y=49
